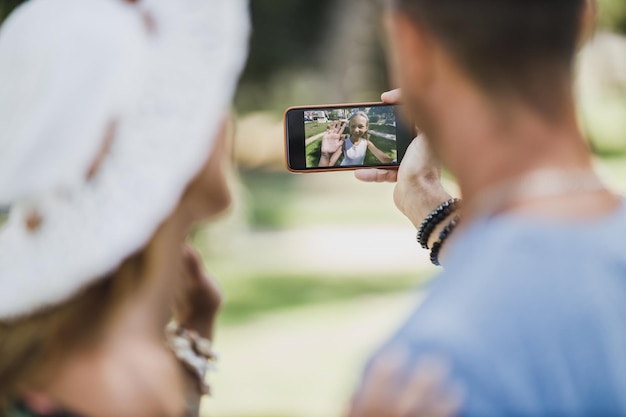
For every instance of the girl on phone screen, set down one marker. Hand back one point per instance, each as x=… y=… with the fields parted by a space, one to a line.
x=353 y=147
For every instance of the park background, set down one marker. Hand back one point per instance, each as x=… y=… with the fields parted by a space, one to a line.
x=318 y=269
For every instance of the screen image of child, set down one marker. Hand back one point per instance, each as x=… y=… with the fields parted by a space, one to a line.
x=351 y=137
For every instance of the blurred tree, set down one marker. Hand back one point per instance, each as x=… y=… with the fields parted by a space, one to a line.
x=382 y=111
x=286 y=34
x=354 y=60
x=305 y=51
x=286 y=38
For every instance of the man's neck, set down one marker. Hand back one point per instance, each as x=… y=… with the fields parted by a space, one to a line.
x=485 y=144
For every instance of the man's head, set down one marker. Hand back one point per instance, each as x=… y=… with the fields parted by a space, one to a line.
x=519 y=50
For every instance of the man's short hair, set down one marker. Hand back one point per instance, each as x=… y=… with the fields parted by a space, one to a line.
x=512 y=46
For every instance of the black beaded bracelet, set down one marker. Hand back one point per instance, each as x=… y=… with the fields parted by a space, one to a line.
x=445 y=233
x=437 y=216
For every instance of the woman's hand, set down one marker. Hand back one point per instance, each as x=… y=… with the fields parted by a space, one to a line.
x=196 y=306
x=427 y=392
x=199 y=298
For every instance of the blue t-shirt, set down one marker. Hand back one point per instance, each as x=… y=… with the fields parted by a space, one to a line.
x=532 y=316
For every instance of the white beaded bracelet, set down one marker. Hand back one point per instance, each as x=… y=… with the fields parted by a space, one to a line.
x=193 y=351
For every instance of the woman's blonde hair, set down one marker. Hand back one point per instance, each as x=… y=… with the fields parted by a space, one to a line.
x=32 y=348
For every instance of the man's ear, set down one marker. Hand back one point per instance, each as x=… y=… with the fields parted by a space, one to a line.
x=40 y=403
x=588 y=20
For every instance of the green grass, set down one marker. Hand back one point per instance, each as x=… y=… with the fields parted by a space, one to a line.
x=383 y=128
x=281 y=200
x=270 y=196
x=248 y=298
x=303 y=362
x=313 y=153
x=387 y=146
x=313 y=128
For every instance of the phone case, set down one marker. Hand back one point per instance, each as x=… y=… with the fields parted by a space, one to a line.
x=334 y=168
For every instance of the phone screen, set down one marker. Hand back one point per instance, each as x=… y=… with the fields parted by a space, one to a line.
x=345 y=137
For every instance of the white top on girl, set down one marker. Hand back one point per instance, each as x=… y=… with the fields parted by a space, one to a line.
x=354 y=155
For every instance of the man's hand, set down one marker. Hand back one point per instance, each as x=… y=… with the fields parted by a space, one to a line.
x=418 y=190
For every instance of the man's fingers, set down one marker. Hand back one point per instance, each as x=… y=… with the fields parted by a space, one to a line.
x=376 y=175
x=392 y=97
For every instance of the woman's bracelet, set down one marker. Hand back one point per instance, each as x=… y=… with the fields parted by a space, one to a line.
x=193 y=351
x=437 y=216
x=445 y=233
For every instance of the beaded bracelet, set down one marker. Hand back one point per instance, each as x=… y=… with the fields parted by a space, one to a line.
x=437 y=216
x=445 y=233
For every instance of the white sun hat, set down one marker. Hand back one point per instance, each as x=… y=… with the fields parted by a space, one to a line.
x=163 y=71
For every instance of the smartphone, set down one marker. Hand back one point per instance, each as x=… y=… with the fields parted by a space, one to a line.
x=345 y=137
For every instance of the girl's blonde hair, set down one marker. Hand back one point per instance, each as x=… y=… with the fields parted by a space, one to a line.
x=367 y=121
x=359 y=113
